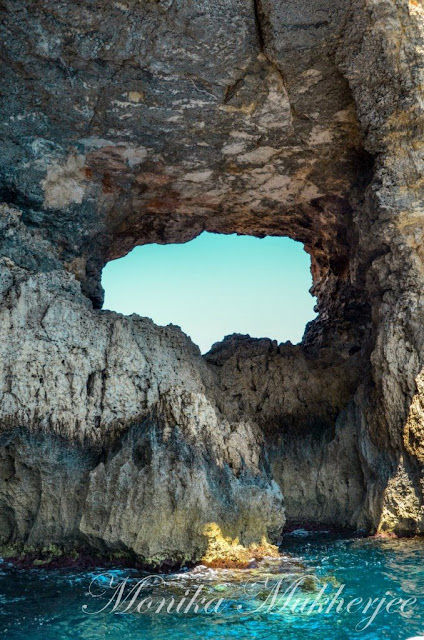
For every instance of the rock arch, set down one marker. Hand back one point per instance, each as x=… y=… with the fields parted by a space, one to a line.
x=266 y=118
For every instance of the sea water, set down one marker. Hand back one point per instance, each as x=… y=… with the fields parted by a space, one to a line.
x=57 y=604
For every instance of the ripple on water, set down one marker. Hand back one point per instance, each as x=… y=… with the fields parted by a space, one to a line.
x=44 y=604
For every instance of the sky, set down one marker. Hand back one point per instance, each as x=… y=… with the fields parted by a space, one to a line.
x=216 y=285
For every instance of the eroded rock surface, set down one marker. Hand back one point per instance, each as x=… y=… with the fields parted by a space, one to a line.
x=125 y=123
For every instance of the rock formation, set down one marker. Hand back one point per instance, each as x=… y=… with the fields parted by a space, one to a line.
x=126 y=123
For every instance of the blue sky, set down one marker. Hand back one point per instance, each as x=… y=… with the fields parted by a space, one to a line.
x=216 y=285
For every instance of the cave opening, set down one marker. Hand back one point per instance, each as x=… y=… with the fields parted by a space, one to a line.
x=217 y=285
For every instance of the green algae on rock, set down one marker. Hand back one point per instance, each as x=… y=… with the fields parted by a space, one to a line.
x=225 y=553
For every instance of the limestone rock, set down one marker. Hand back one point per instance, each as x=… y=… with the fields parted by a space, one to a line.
x=136 y=122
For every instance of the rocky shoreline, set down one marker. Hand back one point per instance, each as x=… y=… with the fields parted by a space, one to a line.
x=130 y=123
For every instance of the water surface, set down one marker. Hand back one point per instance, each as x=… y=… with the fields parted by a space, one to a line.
x=56 y=604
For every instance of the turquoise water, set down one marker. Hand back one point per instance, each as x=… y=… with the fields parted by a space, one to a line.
x=54 y=604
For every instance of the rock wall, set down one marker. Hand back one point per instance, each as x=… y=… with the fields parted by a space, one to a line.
x=152 y=121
